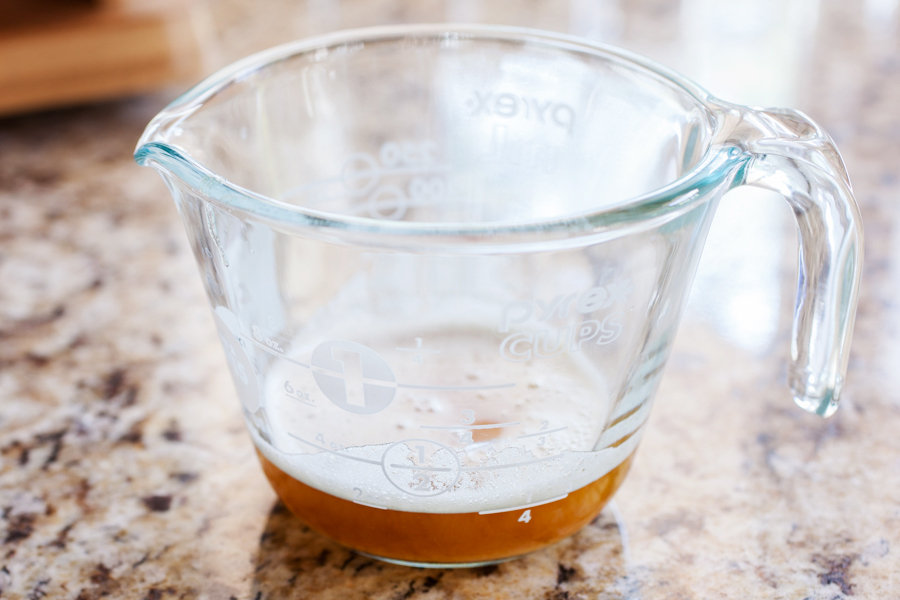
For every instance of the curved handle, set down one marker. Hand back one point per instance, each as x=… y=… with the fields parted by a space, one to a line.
x=793 y=156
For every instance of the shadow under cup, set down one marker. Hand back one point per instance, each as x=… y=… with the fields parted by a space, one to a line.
x=446 y=267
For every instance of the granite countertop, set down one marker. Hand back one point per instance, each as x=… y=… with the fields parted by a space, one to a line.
x=127 y=473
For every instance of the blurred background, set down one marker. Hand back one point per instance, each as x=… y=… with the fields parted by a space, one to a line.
x=55 y=53
x=750 y=51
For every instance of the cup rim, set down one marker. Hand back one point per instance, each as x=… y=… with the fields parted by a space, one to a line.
x=666 y=202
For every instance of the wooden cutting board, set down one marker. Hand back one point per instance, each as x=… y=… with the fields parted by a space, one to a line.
x=58 y=52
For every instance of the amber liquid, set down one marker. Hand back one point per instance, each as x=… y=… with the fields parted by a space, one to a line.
x=444 y=538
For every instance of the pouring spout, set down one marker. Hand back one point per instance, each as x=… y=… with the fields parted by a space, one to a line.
x=171 y=161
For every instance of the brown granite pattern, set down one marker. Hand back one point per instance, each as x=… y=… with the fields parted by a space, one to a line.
x=125 y=471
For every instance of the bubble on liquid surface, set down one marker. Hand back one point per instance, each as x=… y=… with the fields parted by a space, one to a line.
x=509 y=478
x=527 y=435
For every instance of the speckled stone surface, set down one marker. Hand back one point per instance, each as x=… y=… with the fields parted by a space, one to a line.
x=126 y=471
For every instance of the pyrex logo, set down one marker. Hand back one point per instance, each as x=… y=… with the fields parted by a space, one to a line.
x=511 y=106
x=540 y=339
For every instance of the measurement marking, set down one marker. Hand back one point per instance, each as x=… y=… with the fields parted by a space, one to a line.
x=419 y=351
x=488 y=426
x=500 y=510
x=528 y=435
x=412 y=386
x=300 y=401
x=369 y=505
x=411 y=170
x=356 y=458
x=369 y=380
x=278 y=354
x=412 y=468
x=471 y=447
x=510 y=465
x=457 y=388
x=417 y=170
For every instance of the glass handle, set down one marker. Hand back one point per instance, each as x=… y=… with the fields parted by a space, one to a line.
x=793 y=156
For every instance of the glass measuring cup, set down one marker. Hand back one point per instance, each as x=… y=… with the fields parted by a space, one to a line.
x=447 y=263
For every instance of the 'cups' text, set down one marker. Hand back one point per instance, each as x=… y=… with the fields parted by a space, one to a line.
x=537 y=338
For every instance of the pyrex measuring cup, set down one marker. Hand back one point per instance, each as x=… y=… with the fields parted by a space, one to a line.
x=447 y=263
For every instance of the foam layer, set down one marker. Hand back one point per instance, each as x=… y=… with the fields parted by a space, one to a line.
x=440 y=422
x=386 y=476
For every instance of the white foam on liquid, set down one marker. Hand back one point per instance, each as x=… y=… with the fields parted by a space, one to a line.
x=374 y=459
x=491 y=486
